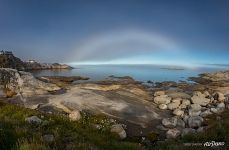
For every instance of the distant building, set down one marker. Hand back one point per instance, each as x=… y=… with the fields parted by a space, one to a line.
x=6 y=52
x=31 y=61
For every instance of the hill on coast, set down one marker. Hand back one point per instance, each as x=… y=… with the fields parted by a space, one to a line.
x=11 y=61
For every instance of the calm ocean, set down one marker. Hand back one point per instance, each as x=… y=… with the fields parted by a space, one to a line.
x=138 y=72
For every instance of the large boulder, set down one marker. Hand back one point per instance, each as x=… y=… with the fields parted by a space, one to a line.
x=169 y=122
x=195 y=107
x=178 y=112
x=206 y=113
x=159 y=93
x=193 y=113
x=188 y=131
x=194 y=110
x=195 y=122
x=173 y=105
x=23 y=83
x=172 y=133
x=119 y=130
x=162 y=106
x=75 y=115
x=186 y=102
x=221 y=106
x=180 y=123
x=177 y=100
x=163 y=99
x=199 y=98
x=219 y=96
x=178 y=95
x=33 y=120
x=217 y=110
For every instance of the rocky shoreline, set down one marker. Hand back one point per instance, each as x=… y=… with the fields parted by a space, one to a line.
x=167 y=109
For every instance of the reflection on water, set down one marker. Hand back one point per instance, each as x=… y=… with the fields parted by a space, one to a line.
x=138 y=72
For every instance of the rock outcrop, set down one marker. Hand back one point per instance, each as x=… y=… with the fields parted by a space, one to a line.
x=11 y=61
x=23 y=83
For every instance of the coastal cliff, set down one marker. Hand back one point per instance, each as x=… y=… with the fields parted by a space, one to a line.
x=8 y=60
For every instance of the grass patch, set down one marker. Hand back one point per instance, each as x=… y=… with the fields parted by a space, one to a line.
x=16 y=133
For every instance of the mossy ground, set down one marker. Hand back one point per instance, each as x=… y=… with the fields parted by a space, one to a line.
x=16 y=133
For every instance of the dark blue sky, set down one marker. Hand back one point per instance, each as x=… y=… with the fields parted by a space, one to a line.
x=117 y=31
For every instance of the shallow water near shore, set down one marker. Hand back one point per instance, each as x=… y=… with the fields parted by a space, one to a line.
x=143 y=73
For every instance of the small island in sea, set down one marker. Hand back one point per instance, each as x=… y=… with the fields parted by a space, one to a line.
x=114 y=75
x=173 y=68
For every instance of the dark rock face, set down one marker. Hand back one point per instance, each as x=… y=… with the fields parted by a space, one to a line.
x=10 y=61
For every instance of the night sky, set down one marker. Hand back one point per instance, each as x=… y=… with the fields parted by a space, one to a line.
x=184 y=32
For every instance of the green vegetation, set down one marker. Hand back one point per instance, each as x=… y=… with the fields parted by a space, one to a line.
x=16 y=133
